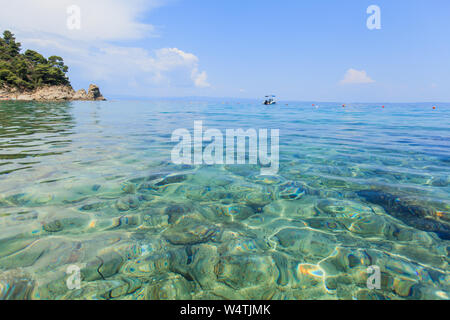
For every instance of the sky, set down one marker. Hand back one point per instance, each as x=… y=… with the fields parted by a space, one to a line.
x=319 y=50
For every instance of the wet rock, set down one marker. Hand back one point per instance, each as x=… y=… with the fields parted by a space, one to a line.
x=258 y=199
x=325 y=224
x=126 y=221
x=342 y=209
x=291 y=190
x=235 y=212
x=440 y=182
x=156 y=220
x=243 y=170
x=171 y=180
x=369 y=225
x=171 y=287
x=97 y=290
x=127 y=203
x=305 y=243
x=98 y=206
x=191 y=231
x=345 y=260
x=15 y=285
x=102 y=266
x=241 y=271
x=125 y=286
x=285 y=266
x=110 y=264
x=176 y=211
x=365 y=294
x=147 y=266
x=129 y=188
x=403 y=287
x=53 y=226
x=408 y=211
x=266 y=180
x=309 y=275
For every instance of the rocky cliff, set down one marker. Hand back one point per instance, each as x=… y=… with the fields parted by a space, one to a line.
x=52 y=93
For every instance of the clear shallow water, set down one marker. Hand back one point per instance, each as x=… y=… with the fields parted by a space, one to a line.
x=92 y=185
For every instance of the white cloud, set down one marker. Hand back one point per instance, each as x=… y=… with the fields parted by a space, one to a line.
x=100 y=19
x=167 y=67
x=96 y=50
x=353 y=76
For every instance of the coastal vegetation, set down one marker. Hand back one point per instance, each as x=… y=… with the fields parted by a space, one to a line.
x=29 y=70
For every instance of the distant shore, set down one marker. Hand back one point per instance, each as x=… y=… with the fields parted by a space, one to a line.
x=52 y=93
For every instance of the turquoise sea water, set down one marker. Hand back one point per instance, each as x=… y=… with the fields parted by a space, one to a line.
x=92 y=185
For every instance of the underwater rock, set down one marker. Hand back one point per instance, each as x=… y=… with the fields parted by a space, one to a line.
x=285 y=266
x=191 y=231
x=258 y=199
x=127 y=203
x=325 y=224
x=171 y=180
x=243 y=170
x=266 y=180
x=305 y=243
x=440 y=182
x=403 y=287
x=291 y=190
x=203 y=259
x=147 y=187
x=129 y=188
x=110 y=264
x=347 y=261
x=342 y=209
x=234 y=212
x=102 y=266
x=408 y=211
x=208 y=193
x=97 y=206
x=15 y=285
x=147 y=266
x=156 y=220
x=53 y=226
x=124 y=287
x=242 y=271
x=369 y=225
x=131 y=220
x=176 y=211
x=170 y=287
x=244 y=245
x=309 y=275
x=99 y=290
x=366 y=294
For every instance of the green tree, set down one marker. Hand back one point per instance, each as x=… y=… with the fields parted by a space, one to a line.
x=31 y=69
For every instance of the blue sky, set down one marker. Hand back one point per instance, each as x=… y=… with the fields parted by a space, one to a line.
x=299 y=50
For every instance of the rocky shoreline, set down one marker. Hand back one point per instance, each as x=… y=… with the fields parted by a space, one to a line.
x=52 y=93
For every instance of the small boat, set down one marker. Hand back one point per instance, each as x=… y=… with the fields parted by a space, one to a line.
x=270 y=100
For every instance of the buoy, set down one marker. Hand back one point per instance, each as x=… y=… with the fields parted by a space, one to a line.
x=313 y=105
x=383 y=107
x=434 y=108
